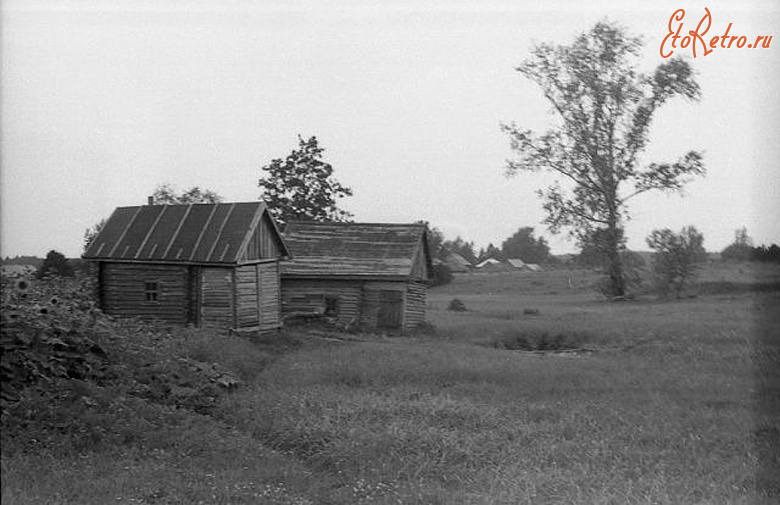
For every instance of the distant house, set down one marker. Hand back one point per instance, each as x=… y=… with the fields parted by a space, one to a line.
x=202 y=264
x=489 y=262
x=373 y=275
x=457 y=263
x=533 y=267
x=517 y=263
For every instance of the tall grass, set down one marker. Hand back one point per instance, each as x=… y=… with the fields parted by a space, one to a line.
x=676 y=403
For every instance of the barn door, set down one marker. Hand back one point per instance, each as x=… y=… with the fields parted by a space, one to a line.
x=390 y=309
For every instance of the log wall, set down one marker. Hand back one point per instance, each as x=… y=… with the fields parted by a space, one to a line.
x=123 y=291
x=303 y=295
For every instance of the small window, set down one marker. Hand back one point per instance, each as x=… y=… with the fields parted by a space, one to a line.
x=332 y=306
x=152 y=290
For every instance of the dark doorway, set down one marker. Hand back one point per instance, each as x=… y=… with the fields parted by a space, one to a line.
x=390 y=309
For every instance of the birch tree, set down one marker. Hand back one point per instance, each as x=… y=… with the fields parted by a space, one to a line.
x=604 y=107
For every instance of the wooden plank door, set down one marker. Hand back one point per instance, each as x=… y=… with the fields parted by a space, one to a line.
x=390 y=309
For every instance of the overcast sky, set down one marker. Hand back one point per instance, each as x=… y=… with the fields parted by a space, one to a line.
x=102 y=101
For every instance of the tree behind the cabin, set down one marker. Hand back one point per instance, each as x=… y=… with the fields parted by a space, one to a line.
x=165 y=194
x=302 y=187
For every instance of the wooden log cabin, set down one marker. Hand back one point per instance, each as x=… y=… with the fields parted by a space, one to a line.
x=373 y=275
x=214 y=265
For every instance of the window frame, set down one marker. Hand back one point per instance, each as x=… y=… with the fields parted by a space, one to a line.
x=331 y=305
x=152 y=291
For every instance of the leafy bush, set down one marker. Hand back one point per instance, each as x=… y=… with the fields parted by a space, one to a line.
x=677 y=258
x=457 y=305
x=55 y=264
x=442 y=275
x=47 y=333
x=74 y=378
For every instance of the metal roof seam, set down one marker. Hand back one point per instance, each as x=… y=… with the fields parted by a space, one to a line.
x=221 y=229
x=124 y=232
x=95 y=239
x=202 y=231
x=151 y=231
x=178 y=229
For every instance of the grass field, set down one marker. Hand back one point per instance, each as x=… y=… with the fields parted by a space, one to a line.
x=649 y=402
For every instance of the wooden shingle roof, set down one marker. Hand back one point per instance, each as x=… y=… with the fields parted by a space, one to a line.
x=217 y=233
x=357 y=250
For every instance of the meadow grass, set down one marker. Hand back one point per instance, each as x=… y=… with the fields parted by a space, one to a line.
x=675 y=402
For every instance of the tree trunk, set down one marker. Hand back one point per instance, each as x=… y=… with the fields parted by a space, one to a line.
x=617 y=281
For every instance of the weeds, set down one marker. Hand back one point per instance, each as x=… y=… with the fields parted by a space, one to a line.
x=456 y=305
x=541 y=340
x=415 y=420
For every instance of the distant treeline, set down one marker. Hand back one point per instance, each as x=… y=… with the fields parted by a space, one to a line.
x=742 y=252
x=23 y=260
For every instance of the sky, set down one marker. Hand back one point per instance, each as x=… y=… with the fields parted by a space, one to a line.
x=103 y=101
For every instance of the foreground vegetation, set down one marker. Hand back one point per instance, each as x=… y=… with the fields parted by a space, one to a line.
x=646 y=402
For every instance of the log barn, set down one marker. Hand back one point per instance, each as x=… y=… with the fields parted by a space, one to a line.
x=373 y=275
x=213 y=265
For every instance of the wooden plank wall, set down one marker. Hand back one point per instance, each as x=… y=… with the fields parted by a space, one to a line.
x=303 y=295
x=246 y=296
x=123 y=291
x=270 y=295
x=414 y=313
x=419 y=269
x=193 y=294
x=372 y=299
x=264 y=243
x=216 y=308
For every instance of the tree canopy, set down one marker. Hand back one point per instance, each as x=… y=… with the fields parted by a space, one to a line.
x=302 y=187
x=165 y=194
x=525 y=246
x=604 y=107
x=462 y=247
x=55 y=264
x=741 y=248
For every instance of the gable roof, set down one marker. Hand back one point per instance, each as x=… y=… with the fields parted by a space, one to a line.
x=488 y=261
x=457 y=263
x=218 y=233
x=357 y=250
x=516 y=262
x=457 y=259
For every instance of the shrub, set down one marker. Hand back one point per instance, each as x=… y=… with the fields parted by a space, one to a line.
x=55 y=264
x=442 y=274
x=677 y=258
x=742 y=247
x=457 y=305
